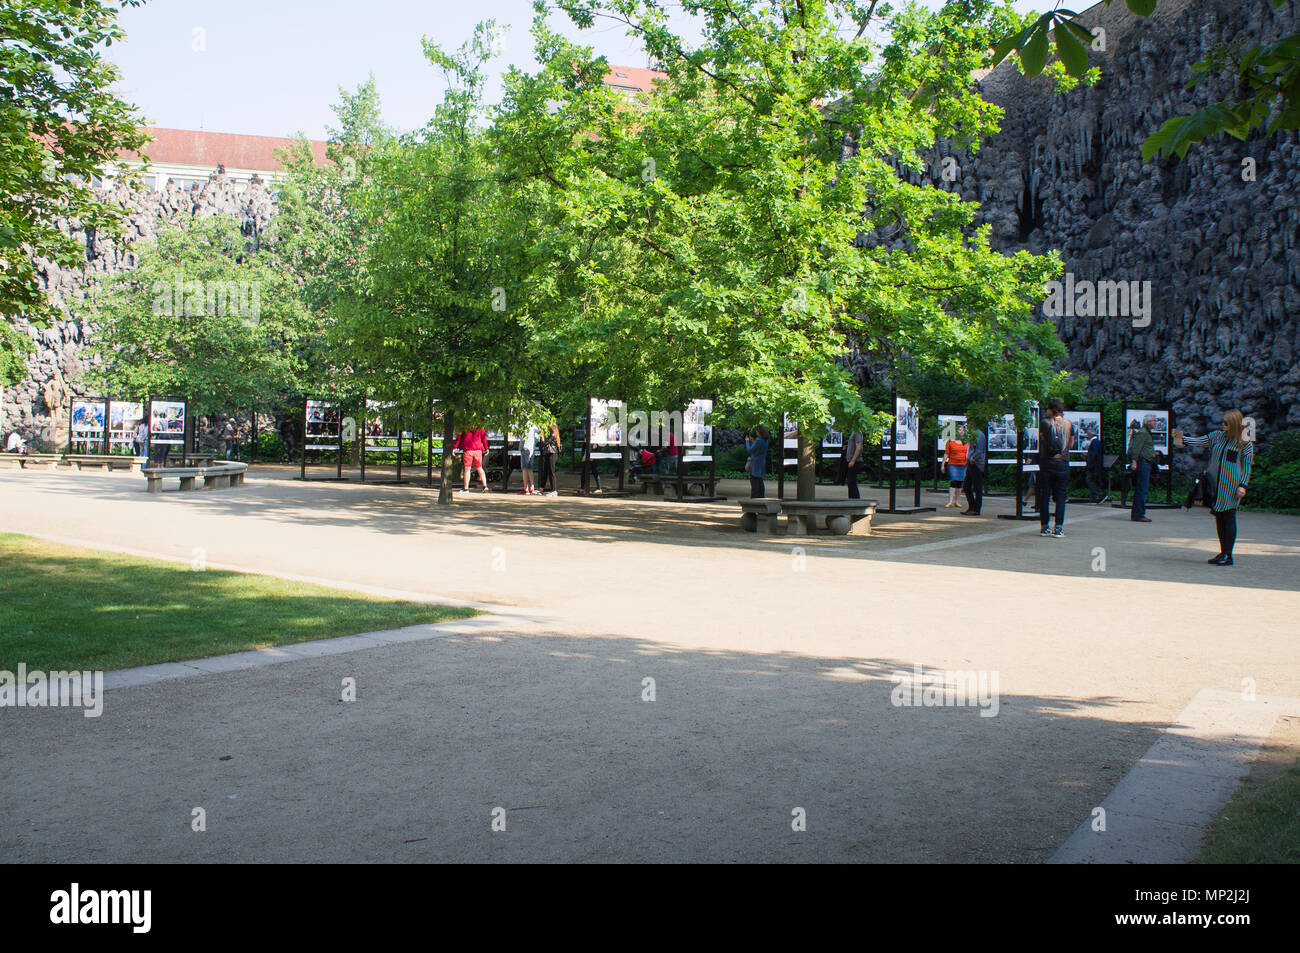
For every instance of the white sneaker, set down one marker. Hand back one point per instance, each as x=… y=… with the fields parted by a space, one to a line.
x=550 y=493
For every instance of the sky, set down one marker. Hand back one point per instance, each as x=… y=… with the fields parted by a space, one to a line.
x=274 y=67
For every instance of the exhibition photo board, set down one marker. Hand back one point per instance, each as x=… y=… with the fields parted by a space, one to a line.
x=902 y=441
x=167 y=426
x=697 y=447
x=322 y=429
x=603 y=430
x=124 y=417
x=381 y=438
x=1159 y=419
x=86 y=425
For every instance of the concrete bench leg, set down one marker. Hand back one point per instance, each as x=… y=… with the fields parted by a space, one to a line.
x=749 y=522
x=237 y=479
x=796 y=526
x=861 y=526
x=155 y=485
x=774 y=525
x=187 y=483
x=218 y=481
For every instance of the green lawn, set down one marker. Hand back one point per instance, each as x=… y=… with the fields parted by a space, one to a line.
x=67 y=608
x=1260 y=825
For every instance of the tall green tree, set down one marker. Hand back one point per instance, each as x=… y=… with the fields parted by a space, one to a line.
x=436 y=311
x=60 y=123
x=737 y=230
x=1265 y=77
x=202 y=317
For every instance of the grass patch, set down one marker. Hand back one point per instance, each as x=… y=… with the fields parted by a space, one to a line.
x=63 y=607
x=1260 y=825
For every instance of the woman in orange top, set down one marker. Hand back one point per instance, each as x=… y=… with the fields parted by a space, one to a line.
x=954 y=458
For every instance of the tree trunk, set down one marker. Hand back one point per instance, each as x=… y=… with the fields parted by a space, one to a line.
x=807 y=489
x=448 y=437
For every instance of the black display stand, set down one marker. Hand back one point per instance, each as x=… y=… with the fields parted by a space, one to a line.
x=1098 y=408
x=1021 y=470
x=684 y=458
x=1168 y=469
x=316 y=444
x=907 y=464
x=367 y=446
x=165 y=439
x=103 y=441
x=590 y=456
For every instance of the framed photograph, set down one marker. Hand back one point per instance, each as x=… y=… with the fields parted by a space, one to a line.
x=1087 y=424
x=789 y=432
x=696 y=430
x=1002 y=433
x=324 y=431
x=167 y=422
x=87 y=418
x=834 y=439
x=949 y=427
x=1158 y=420
x=907 y=427
x=124 y=417
x=606 y=422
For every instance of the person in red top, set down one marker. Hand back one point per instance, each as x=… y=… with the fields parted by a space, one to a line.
x=472 y=444
x=669 y=460
x=954 y=457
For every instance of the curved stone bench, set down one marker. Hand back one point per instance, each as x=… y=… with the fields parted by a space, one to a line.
x=753 y=510
x=841 y=517
x=216 y=476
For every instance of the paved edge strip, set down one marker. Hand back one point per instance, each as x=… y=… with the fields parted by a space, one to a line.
x=1158 y=812
x=298 y=651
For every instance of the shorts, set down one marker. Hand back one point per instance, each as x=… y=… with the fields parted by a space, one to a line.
x=473 y=459
x=525 y=458
x=956 y=474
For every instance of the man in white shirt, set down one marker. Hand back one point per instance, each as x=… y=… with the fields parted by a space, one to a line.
x=15 y=443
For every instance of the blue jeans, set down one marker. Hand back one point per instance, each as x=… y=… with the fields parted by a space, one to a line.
x=1141 y=483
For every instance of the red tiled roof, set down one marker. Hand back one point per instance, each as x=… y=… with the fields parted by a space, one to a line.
x=210 y=149
x=634 y=77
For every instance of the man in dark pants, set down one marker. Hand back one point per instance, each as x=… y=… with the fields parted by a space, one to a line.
x=1142 y=453
x=976 y=457
x=1095 y=472
x=1055 y=434
x=853 y=459
x=756 y=464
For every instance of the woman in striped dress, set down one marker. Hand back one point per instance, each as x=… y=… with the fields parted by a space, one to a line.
x=1228 y=473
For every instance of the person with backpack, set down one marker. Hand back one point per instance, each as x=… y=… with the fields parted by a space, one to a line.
x=1142 y=454
x=1227 y=475
x=1055 y=436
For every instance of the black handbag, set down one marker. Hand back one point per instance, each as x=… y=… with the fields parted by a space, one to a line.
x=1200 y=493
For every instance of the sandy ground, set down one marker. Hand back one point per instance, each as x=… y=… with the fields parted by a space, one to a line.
x=771 y=659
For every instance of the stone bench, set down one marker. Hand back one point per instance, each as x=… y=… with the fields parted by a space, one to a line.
x=753 y=510
x=841 y=517
x=108 y=462
x=215 y=477
x=656 y=482
x=27 y=460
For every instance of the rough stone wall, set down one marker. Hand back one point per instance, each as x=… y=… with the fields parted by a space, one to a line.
x=1222 y=253
x=39 y=404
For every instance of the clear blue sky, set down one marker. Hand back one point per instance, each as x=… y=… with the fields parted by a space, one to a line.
x=273 y=67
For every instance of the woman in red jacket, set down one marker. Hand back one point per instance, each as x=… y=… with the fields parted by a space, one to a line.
x=472 y=444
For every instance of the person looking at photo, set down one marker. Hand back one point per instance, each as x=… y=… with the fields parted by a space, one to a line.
x=551 y=447
x=853 y=463
x=473 y=445
x=1142 y=454
x=976 y=457
x=1228 y=473
x=954 y=461
x=1055 y=437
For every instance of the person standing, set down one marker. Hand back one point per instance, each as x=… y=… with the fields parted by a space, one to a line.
x=287 y=432
x=669 y=461
x=228 y=437
x=1095 y=471
x=853 y=464
x=1228 y=474
x=954 y=461
x=141 y=439
x=976 y=457
x=527 y=451
x=472 y=444
x=1055 y=434
x=551 y=447
x=1142 y=454
x=756 y=465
